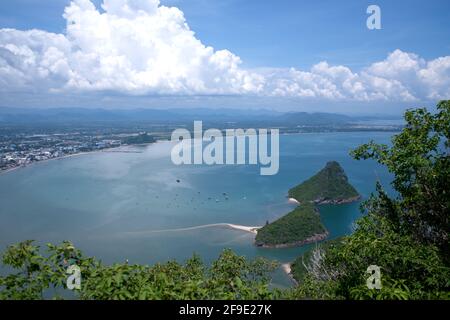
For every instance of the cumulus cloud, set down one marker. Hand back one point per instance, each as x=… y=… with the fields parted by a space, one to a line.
x=400 y=77
x=139 y=47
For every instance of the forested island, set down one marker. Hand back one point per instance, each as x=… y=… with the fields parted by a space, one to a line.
x=329 y=186
x=299 y=227
x=303 y=225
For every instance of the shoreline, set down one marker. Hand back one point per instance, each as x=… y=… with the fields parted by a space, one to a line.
x=253 y=230
x=312 y=239
x=113 y=149
x=337 y=202
x=46 y=160
x=324 y=202
x=165 y=140
x=248 y=229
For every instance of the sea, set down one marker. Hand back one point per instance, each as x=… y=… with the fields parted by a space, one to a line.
x=134 y=204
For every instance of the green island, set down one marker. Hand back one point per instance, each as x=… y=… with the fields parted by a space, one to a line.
x=303 y=224
x=329 y=186
x=299 y=227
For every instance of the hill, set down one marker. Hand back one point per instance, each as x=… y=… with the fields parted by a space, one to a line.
x=329 y=185
x=141 y=138
x=299 y=227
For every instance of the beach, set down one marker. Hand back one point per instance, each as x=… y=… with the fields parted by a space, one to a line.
x=248 y=229
x=253 y=230
x=293 y=201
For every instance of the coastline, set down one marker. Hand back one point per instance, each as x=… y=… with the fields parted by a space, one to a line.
x=312 y=239
x=113 y=149
x=253 y=230
x=51 y=159
x=321 y=202
x=248 y=229
x=340 y=201
x=163 y=140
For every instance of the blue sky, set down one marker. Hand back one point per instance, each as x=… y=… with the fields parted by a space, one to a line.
x=270 y=35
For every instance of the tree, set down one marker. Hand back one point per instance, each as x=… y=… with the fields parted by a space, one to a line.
x=420 y=161
x=38 y=276
x=406 y=236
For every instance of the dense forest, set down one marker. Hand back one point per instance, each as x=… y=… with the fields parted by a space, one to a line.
x=298 y=227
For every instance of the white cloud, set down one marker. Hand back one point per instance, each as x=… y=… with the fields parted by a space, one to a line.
x=139 y=47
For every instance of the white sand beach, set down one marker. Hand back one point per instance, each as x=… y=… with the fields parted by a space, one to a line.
x=249 y=229
x=253 y=230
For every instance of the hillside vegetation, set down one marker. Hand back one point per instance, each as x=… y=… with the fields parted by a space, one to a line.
x=307 y=262
x=329 y=185
x=298 y=227
x=407 y=237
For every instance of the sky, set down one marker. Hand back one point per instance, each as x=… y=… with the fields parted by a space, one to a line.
x=272 y=54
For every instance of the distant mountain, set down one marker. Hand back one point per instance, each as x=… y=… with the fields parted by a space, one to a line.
x=304 y=118
x=329 y=185
x=14 y=115
x=245 y=118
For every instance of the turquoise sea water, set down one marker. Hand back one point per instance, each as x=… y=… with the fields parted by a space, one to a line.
x=111 y=204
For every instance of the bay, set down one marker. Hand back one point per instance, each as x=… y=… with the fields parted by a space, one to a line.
x=141 y=207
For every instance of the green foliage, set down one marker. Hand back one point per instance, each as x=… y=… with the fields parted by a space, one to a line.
x=409 y=270
x=298 y=267
x=329 y=185
x=294 y=228
x=419 y=159
x=38 y=273
x=406 y=237
x=229 y=277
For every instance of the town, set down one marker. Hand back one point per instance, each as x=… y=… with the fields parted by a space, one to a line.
x=19 y=149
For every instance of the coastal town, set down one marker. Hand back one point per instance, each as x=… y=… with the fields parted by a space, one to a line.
x=18 y=150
